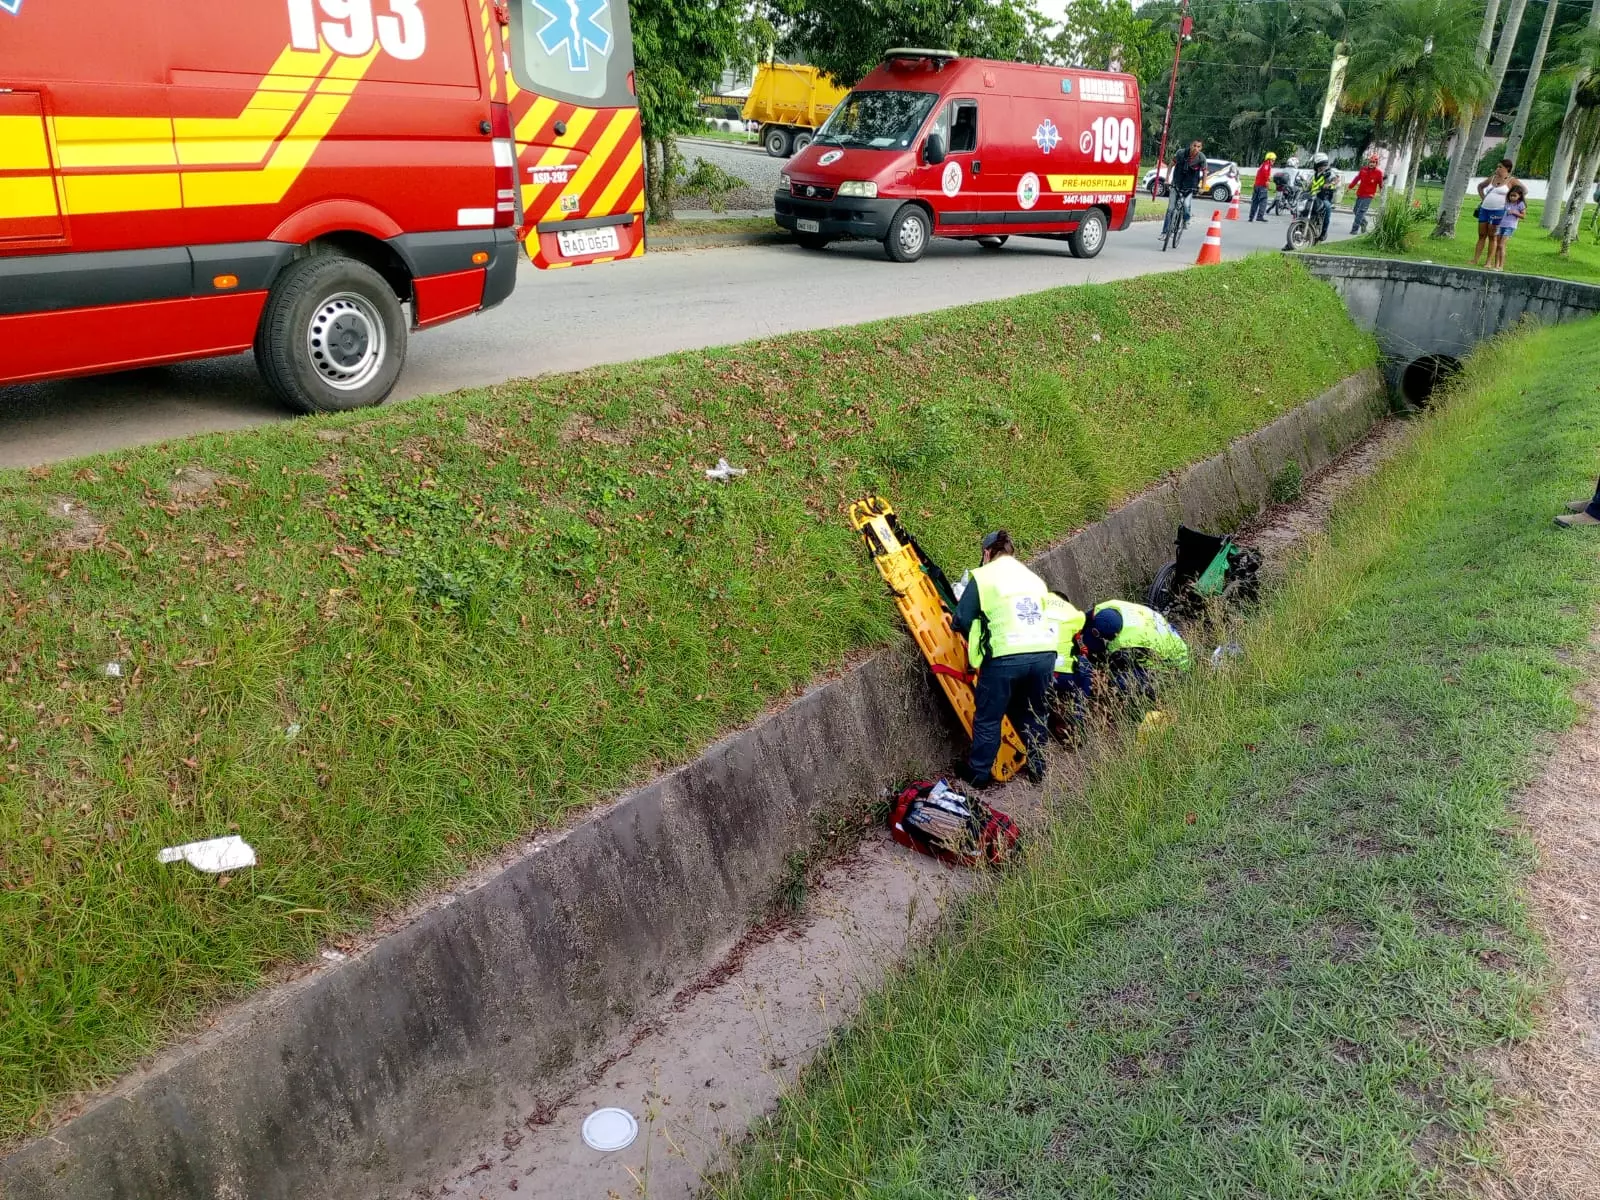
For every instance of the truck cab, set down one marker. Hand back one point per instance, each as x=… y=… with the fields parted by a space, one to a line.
x=930 y=144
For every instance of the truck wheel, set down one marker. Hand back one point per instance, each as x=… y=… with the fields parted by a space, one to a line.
x=908 y=234
x=332 y=336
x=776 y=140
x=801 y=140
x=1089 y=238
x=992 y=243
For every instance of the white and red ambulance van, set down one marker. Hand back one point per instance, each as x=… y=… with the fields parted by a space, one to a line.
x=930 y=144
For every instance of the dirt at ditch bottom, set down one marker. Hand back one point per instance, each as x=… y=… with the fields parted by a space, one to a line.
x=700 y=1069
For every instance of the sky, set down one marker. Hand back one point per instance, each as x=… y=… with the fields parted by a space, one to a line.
x=1054 y=11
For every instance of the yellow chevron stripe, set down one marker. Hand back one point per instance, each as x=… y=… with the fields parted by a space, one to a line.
x=621 y=181
x=114 y=142
x=122 y=193
x=585 y=174
x=269 y=184
x=22 y=145
x=535 y=119
x=91 y=142
x=28 y=197
x=577 y=125
x=486 y=23
x=247 y=139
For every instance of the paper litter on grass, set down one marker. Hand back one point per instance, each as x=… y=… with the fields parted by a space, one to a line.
x=214 y=856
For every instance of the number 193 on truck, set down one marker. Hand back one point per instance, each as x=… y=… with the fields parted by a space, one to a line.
x=187 y=178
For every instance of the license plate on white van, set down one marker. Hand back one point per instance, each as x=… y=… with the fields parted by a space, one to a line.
x=576 y=242
x=805 y=226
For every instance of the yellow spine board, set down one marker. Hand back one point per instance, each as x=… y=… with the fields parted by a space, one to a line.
x=925 y=615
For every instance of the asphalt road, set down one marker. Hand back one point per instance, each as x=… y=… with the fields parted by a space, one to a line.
x=564 y=320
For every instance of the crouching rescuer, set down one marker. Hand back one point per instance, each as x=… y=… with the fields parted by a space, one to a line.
x=1012 y=624
x=1127 y=647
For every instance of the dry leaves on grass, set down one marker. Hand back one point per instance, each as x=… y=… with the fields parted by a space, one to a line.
x=1549 y=1145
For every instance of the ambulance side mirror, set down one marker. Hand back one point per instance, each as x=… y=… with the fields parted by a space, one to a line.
x=933 y=150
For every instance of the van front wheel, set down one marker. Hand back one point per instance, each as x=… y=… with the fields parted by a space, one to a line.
x=908 y=234
x=332 y=336
x=1089 y=238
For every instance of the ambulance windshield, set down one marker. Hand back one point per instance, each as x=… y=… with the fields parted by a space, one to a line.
x=878 y=120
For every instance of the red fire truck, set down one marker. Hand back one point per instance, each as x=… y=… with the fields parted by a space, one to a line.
x=186 y=178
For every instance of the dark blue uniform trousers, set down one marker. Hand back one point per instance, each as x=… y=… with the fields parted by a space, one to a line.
x=1015 y=686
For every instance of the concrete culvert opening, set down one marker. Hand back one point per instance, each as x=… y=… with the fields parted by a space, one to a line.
x=1424 y=374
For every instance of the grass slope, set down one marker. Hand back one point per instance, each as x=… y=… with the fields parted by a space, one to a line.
x=383 y=645
x=1253 y=960
x=1531 y=250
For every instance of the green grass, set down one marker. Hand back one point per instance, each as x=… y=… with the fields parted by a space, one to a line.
x=724 y=135
x=483 y=612
x=1531 y=250
x=708 y=232
x=1255 y=957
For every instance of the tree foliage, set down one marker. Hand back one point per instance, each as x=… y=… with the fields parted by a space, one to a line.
x=847 y=38
x=680 y=48
x=1415 y=61
x=1253 y=77
x=1106 y=35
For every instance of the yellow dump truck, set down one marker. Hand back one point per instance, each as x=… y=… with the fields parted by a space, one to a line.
x=790 y=101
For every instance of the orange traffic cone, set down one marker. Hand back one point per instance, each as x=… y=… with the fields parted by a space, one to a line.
x=1233 y=208
x=1211 y=248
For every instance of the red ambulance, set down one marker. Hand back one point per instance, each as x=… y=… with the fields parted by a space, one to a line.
x=930 y=144
x=184 y=178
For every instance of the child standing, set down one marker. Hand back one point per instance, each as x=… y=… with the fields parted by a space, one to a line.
x=1516 y=209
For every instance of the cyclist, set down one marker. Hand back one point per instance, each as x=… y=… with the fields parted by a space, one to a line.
x=1324 y=186
x=1187 y=175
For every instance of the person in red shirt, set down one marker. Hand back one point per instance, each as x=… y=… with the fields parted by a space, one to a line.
x=1258 y=196
x=1366 y=183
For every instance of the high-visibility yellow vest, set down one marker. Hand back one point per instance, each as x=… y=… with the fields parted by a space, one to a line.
x=1071 y=619
x=1146 y=629
x=1015 y=613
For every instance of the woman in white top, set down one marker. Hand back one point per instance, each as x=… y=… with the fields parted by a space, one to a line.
x=1491 y=207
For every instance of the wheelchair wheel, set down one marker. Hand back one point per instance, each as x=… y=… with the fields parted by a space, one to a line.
x=1160 y=597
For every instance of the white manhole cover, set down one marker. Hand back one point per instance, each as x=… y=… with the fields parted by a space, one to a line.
x=610 y=1129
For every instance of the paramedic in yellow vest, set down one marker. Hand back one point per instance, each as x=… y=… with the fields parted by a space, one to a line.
x=1012 y=631
x=1072 y=675
x=1132 y=644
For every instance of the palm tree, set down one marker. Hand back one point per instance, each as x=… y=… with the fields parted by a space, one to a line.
x=1267 y=115
x=1412 y=61
x=1535 y=156
x=1562 y=162
x=1530 y=86
x=1583 y=126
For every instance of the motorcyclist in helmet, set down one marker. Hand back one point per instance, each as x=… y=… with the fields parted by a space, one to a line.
x=1324 y=186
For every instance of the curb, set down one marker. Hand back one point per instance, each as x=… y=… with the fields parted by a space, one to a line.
x=713 y=240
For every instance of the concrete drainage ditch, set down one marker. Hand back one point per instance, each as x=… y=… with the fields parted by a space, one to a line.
x=374 y=1072
x=701 y=1068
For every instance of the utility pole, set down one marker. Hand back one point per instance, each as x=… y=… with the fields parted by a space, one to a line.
x=1185 y=27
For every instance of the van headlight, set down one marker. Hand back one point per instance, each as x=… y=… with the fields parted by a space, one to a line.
x=856 y=187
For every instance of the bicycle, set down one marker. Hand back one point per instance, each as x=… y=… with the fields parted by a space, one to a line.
x=1172 y=230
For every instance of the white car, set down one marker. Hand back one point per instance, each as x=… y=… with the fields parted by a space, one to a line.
x=1221 y=182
